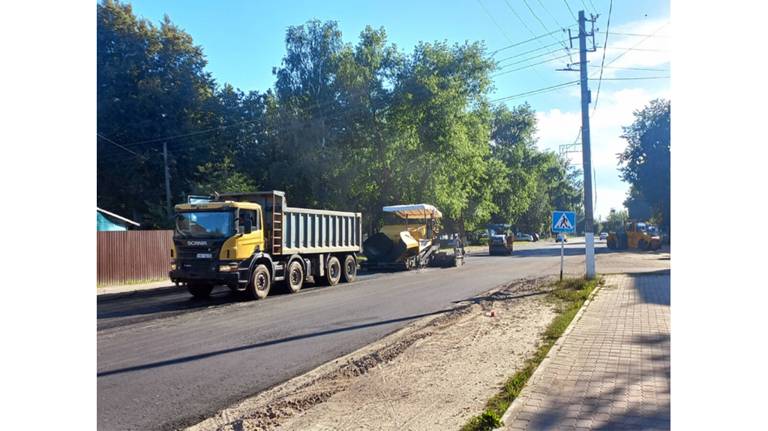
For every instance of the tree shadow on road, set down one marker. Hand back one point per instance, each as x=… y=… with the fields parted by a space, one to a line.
x=200 y=356
x=126 y=308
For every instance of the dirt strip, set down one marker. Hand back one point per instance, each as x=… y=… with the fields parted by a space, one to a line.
x=434 y=374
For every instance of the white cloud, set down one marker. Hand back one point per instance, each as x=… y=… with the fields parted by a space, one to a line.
x=615 y=109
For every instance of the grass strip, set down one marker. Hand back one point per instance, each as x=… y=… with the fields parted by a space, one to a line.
x=568 y=296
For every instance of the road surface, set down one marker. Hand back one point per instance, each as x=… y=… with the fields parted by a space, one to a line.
x=166 y=360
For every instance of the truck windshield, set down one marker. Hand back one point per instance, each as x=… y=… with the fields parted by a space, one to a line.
x=205 y=224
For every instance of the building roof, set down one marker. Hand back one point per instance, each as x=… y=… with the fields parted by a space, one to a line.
x=115 y=216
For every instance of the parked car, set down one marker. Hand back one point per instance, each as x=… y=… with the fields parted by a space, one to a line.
x=561 y=237
x=523 y=237
x=603 y=236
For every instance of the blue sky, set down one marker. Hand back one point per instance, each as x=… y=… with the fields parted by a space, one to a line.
x=244 y=40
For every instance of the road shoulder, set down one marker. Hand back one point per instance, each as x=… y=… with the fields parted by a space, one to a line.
x=433 y=374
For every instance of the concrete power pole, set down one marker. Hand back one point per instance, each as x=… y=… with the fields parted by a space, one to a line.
x=168 y=207
x=586 y=96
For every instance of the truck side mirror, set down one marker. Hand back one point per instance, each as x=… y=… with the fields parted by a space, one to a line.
x=248 y=225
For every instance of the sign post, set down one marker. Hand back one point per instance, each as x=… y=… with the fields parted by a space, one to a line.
x=563 y=222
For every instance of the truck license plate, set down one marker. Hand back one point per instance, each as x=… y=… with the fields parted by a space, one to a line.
x=204 y=255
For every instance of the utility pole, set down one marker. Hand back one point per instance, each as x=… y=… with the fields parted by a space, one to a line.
x=586 y=150
x=167 y=181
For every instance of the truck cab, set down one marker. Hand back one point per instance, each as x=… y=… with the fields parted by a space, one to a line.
x=211 y=239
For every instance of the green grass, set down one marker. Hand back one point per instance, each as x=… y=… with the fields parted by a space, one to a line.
x=568 y=296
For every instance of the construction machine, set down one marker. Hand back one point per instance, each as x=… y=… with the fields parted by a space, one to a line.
x=500 y=239
x=635 y=235
x=409 y=240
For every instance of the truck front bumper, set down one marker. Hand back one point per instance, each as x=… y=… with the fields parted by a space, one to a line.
x=209 y=273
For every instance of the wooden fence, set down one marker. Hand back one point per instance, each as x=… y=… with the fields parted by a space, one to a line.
x=137 y=255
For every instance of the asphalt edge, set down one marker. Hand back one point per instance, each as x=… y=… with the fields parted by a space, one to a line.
x=211 y=422
x=516 y=404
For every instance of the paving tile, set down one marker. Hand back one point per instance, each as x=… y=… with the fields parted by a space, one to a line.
x=612 y=371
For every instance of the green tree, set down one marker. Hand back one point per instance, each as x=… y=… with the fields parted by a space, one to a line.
x=645 y=163
x=636 y=205
x=151 y=83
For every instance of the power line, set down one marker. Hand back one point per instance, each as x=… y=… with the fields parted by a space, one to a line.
x=537 y=91
x=638 y=43
x=283 y=126
x=526 y=41
x=569 y=9
x=646 y=69
x=602 y=62
x=238 y=123
x=494 y=21
x=530 y=58
x=530 y=65
x=637 y=49
x=635 y=34
x=550 y=15
x=541 y=22
x=527 y=52
x=118 y=145
x=634 y=78
x=594 y=10
x=520 y=19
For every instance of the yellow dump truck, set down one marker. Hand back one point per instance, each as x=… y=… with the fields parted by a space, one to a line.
x=249 y=241
x=636 y=236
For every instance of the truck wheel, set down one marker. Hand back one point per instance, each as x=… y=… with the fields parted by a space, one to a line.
x=295 y=278
x=260 y=283
x=349 y=271
x=200 y=290
x=333 y=271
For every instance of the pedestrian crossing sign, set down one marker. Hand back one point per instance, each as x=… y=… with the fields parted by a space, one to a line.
x=563 y=221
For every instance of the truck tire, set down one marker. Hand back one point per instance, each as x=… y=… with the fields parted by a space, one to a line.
x=349 y=270
x=332 y=271
x=294 y=279
x=260 y=283
x=200 y=290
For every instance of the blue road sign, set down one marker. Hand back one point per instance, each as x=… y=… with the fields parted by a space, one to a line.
x=563 y=221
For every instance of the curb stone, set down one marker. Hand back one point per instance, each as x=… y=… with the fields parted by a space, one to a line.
x=516 y=404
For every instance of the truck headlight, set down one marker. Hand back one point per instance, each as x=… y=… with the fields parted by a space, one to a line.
x=230 y=267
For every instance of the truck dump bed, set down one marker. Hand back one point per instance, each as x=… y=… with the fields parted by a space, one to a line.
x=301 y=230
x=320 y=231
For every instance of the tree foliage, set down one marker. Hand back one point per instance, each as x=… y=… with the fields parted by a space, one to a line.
x=346 y=126
x=645 y=163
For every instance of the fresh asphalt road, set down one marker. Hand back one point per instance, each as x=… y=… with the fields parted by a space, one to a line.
x=166 y=360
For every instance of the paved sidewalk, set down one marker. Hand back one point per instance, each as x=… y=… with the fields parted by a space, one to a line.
x=124 y=288
x=612 y=370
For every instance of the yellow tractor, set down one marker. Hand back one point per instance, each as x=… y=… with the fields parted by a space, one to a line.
x=635 y=236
